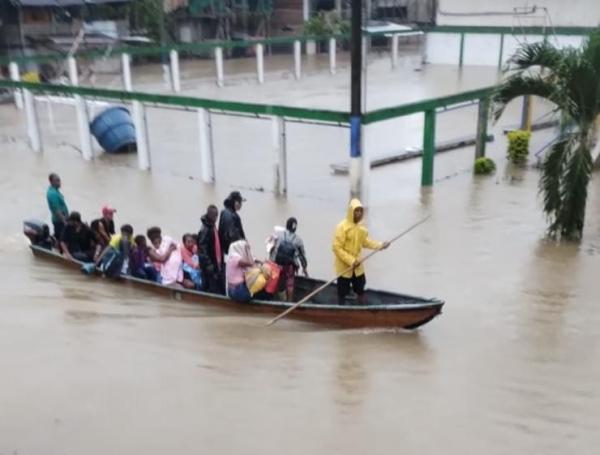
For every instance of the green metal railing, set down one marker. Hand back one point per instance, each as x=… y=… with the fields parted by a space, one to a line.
x=428 y=107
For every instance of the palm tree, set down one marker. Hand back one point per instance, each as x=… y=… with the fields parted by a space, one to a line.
x=570 y=79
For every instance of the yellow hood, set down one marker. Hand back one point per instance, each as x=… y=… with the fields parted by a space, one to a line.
x=354 y=204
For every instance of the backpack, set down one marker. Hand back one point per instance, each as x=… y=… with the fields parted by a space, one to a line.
x=286 y=252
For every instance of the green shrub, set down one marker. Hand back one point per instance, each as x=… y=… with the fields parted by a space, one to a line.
x=326 y=23
x=518 y=146
x=484 y=166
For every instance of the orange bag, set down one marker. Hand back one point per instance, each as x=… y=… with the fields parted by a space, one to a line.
x=273 y=281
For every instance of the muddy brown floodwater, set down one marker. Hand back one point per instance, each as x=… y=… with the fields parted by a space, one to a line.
x=511 y=367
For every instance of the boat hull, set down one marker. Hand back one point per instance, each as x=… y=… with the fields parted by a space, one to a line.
x=407 y=316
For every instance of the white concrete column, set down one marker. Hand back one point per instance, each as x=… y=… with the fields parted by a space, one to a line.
x=141 y=135
x=332 y=55
x=126 y=69
x=73 y=75
x=175 y=76
x=16 y=76
x=207 y=157
x=33 y=126
x=297 y=59
x=365 y=51
x=219 y=65
x=395 y=37
x=305 y=10
x=280 y=149
x=83 y=121
x=260 y=63
x=311 y=47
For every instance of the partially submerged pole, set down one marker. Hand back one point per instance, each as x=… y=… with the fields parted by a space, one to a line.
x=15 y=76
x=356 y=158
x=85 y=138
x=297 y=59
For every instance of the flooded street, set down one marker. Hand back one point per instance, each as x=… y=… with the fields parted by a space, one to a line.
x=510 y=367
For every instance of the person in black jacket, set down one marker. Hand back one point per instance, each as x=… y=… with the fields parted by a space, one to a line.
x=230 y=223
x=210 y=253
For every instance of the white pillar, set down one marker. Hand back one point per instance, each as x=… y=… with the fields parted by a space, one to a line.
x=83 y=121
x=175 y=77
x=126 y=68
x=33 y=129
x=219 y=65
x=73 y=76
x=332 y=55
x=16 y=76
x=311 y=47
x=395 y=50
x=207 y=157
x=50 y=115
x=305 y=10
x=297 y=59
x=260 y=63
x=365 y=52
x=280 y=149
x=141 y=135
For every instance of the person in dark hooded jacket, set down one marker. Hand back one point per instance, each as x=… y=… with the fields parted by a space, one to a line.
x=210 y=253
x=230 y=223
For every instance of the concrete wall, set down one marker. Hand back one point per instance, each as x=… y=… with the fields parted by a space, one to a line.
x=483 y=49
x=560 y=12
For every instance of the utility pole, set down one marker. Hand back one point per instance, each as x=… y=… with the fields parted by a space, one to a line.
x=356 y=165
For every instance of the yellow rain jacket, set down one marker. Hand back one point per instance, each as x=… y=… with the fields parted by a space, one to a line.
x=349 y=240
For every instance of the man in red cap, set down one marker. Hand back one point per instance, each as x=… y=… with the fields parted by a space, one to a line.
x=103 y=228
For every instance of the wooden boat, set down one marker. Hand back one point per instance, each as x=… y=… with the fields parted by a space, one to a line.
x=384 y=309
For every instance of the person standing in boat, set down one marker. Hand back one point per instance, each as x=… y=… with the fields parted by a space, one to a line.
x=230 y=223
x=351 y=236
x=57 y=205
x=210 y=253
x=288 y=252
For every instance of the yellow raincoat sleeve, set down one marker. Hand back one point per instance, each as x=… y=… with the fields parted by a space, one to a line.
x=338 y=247
x=371 y=244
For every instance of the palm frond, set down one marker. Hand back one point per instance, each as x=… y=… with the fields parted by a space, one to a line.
x=520 y=85
x=577 y=174
x=550 y=181
x=541 y=54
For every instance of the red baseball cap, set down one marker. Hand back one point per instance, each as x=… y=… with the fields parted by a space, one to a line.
x=108 y=210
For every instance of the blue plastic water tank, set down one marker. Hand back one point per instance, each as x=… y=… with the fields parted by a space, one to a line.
x=113 y=129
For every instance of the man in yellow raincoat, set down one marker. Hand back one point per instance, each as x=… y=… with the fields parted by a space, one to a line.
x=351 y=236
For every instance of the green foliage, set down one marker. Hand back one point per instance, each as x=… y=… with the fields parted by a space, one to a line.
x=569 y=78
x=326 y=23
x=518 y=146
x=484 y=166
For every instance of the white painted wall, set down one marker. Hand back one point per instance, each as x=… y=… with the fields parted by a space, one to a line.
x=560 y=12
x=483 y=49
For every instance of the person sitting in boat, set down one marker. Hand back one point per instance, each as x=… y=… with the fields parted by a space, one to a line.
x=191 y=266
x=210 y=253
x=103 y=228
x=114 y=259
x=288 y=252
x=230 y=223
x=139 y=260
x=57 y=205
x=351 y=236
x=238 y=261
x=165 y=253
x=77 y=240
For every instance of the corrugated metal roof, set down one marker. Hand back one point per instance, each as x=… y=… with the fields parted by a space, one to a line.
x=59 y=3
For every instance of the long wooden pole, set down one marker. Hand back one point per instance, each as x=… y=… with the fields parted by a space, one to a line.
x=320 y=288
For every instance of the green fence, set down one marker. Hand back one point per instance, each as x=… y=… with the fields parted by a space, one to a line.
x=428 y=107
